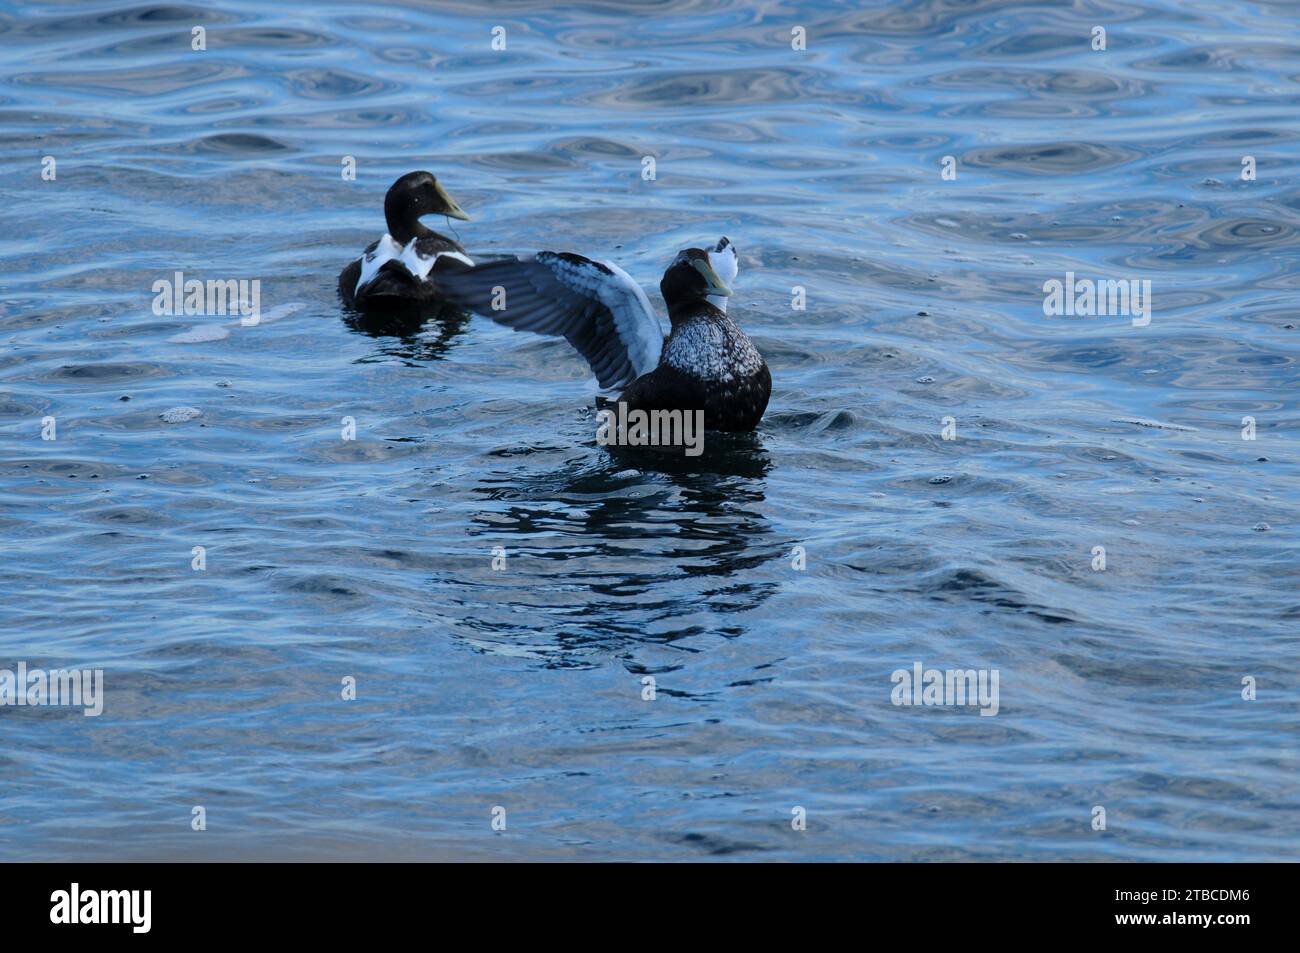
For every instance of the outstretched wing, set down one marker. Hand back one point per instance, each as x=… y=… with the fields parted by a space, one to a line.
x=726 y=263
x=594 y=305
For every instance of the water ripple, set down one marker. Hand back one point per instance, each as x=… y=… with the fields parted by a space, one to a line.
x=501 y=587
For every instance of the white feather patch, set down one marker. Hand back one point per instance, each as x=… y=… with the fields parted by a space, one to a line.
x=726 y=263
x=638 y=327
x=419 y=266
x=389 y=250
x=372 y=261
x=713 y=350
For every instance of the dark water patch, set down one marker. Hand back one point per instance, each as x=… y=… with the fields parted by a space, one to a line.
x=335 y=84
x=1231 y=233
x=1053 y=158
x=138 y=81
x=1036 y=45
x=108 y=373
x=525 y=162
x=333 y=588
x=279 y=37
x=717 y=846
x=1074 y=84
x=975 y=585
x=13 y=407
x=236 y=143
x=219 y=106
x=735 y=88
x=333 y=118
x=593 y=146
x=1231 y=59
x=144 y=16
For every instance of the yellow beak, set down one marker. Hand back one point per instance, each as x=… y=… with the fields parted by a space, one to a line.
x=450 y=208
x=716 y=285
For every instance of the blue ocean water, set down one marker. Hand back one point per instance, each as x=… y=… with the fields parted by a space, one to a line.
x=522 y=687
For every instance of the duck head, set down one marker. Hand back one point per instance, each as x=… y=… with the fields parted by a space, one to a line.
x=690 y=279
x=413 y=195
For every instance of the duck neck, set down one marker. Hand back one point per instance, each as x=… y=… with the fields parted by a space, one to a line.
x=681 y=311
x=404 y=223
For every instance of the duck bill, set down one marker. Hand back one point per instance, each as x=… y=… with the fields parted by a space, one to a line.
x=716 y=284
x=449 y=206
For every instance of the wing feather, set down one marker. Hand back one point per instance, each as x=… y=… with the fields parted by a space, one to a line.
x=594 y=305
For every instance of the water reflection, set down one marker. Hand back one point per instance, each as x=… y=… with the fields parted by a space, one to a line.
x=422 y=334
x=600 y=560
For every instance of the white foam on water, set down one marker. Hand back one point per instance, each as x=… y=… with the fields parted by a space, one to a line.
x=200 y=334
x=282 y=311
x=204 y=333
x=178 y=415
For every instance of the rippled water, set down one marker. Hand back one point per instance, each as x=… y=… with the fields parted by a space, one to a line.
x=522 y=688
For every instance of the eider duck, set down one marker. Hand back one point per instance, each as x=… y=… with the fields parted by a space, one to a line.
x=405 y=267
x=706 y=362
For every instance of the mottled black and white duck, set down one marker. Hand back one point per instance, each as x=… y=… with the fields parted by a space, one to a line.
x=706 y=362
